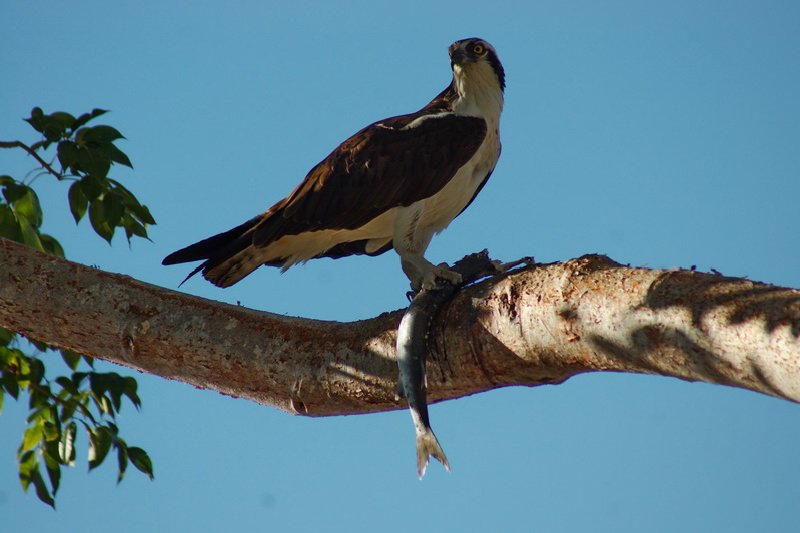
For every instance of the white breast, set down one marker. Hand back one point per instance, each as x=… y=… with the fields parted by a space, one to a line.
x=441 y=208
x=479 y=96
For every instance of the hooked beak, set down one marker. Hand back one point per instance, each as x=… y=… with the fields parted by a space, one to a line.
x=457 y=54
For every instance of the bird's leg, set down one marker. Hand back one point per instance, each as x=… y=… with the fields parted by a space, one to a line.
x=410 y=242
x=424 y=274
x=464 y=271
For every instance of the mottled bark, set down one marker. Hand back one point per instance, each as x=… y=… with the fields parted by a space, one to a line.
x=542 y=324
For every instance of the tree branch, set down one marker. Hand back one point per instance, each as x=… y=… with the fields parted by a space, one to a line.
x=540 y=325
x=31 y=151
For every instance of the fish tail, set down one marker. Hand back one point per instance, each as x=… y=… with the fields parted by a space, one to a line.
x=427 y=446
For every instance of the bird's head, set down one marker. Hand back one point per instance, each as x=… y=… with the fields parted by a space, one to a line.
x=476 y=58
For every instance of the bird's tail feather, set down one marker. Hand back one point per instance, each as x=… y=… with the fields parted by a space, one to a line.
x=216 y=251
x=427 y=446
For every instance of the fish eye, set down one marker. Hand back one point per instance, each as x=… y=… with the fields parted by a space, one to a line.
x=478 y=49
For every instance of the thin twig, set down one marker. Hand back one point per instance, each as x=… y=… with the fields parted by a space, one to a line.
x=65 y=403
x=45 y=164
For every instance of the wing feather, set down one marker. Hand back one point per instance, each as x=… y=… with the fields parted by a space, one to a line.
x=391 y=163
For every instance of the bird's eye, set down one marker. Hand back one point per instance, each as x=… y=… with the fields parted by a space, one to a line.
x=478 y=49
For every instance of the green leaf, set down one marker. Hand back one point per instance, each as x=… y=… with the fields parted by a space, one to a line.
x=113 y=208
x=23 y=368
x=80 y=121
x=115 y=385
x=36 y=370
x=39 y=415
x=9 y=227
x=78 y=202
x=27 y=464
x=67 y=155
x=132 y=228
x=99 y=383
x=115 y=393
x=104 y=405
x=86 y=117
x=51 y=245
x=102 y=134
x=66 y=445
x=130 y=390
x=11 y=385
x=2 y=395
x=29 y=473
x=99 y=444
x=52 y=431
x=118 y=156
x=66 y=384
x=71 y=358
x=25 y=203
x=14 y=191
x=41 y=489
x=29 y=235
x=42 y=347
x=61 y=119
x=52 y=465
x=93 y=186
x=39 y=398
x=40 y=145
x=122 y=459
x=78 y=377
x=5 y=180
x=68 y=409
x=35 y=119
x=141 y=460
x=32 y=436
x=132 y=204
x=143 y=213
x=6 y=336
x=92 y=160
x=56 y=125
x=97 y=217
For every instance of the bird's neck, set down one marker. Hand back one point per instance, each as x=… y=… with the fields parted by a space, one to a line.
x=478 y=91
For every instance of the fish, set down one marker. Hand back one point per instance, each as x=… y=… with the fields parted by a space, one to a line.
x=412 y=347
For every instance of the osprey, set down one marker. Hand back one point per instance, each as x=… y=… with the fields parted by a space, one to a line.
x=394 y=184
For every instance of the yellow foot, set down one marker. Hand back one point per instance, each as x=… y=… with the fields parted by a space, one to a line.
x=443 y=272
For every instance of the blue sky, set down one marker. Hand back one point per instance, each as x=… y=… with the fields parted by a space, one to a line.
x=664 y=134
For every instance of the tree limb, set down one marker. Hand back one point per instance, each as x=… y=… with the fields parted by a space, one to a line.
x=539 y=325
x=31 y=151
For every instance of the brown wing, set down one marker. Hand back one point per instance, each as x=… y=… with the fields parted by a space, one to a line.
x=380 y=167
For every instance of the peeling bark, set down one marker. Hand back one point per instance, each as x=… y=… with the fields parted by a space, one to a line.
x=539 y=325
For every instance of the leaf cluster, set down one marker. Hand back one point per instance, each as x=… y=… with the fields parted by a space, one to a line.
x=79 y=399
x=58 y=408
x=21 y=217
x=86 y=155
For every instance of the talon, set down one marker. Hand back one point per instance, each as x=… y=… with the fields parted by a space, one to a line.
x=502 y=268
x=440 y=272
x=400 y=391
